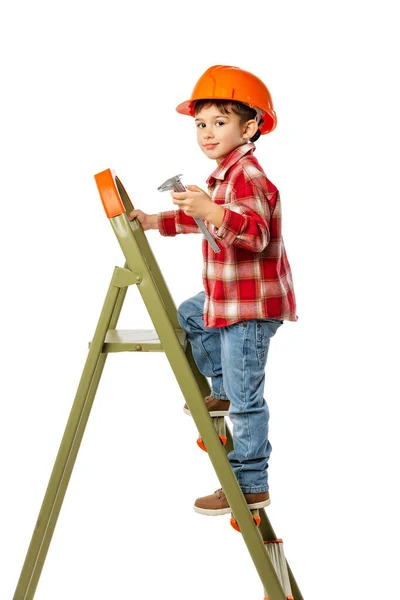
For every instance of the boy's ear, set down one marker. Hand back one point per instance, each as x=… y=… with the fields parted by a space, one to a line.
x=250 y=128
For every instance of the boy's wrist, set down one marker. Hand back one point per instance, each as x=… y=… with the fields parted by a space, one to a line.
x=216 y=215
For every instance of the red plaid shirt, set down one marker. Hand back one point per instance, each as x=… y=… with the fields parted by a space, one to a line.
x=250 y=278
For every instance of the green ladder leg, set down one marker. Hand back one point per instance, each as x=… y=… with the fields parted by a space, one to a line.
x=69 y=446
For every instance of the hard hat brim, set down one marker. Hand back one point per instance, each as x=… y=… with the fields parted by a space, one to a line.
x=186 y=108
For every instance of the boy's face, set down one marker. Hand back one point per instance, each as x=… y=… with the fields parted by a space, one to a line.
x=219 y=134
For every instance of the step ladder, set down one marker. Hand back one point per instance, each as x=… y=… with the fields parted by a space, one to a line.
x=141 y=269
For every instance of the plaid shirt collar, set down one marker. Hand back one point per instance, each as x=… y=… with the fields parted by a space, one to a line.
x=231 y=159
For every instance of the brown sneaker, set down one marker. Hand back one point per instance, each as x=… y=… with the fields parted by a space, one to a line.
x=216 y=408
x=217 y=504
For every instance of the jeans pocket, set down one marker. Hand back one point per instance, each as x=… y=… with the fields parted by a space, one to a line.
x=265 y=330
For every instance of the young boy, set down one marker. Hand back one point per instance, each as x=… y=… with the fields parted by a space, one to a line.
x=248 y=288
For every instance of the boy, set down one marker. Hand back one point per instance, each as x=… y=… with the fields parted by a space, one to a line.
x=248 y=289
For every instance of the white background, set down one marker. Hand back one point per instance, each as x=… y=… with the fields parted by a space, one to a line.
x=88 y=86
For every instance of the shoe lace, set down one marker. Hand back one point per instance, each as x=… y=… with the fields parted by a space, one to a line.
x=220 y=493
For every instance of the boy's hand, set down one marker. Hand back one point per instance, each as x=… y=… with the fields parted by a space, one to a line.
x=193 y=201
x=197 y=203
x=147 y=221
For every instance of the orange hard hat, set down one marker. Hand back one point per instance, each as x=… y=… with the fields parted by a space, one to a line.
x=222 y=82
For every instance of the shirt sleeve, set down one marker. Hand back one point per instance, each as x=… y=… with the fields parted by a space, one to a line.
x=246 y=221
x=172 y=222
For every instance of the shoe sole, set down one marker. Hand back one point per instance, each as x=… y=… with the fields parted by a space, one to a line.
x=212 y=413
x=224 y=511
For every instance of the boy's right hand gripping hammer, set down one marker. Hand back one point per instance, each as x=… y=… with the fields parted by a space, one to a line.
x=175 y=184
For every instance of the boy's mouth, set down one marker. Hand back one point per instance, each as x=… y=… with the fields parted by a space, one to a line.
x=210 y=146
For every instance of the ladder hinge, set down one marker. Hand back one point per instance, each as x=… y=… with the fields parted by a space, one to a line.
x=125 y=277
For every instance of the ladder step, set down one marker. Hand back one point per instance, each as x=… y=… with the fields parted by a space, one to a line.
x=136 y=340
x=256 y=518
x=220 y=427
x=277 y=556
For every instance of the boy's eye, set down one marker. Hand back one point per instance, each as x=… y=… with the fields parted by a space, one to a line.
x=220 y=123
x=201 y=125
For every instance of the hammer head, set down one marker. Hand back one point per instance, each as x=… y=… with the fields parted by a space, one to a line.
x=173 y=183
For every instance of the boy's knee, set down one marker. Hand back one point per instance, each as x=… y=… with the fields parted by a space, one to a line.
x=191 y=307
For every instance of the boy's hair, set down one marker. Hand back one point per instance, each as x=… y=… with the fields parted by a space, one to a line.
x=245 y=112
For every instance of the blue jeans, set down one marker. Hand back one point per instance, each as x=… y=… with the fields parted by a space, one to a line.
x=234 y=357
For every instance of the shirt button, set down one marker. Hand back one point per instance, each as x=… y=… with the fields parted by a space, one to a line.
x=244 y=324
x=258 y=325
